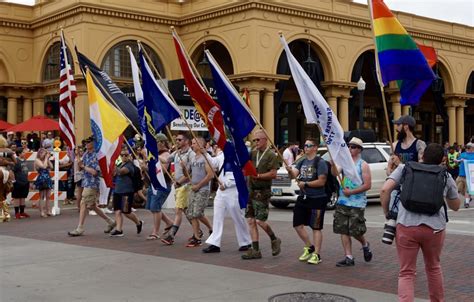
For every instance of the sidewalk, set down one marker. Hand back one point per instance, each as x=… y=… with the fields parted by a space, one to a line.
x=96 y=267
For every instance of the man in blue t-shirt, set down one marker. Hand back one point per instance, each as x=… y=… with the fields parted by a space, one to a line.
x=311 y=175
x=461 y=180
x=90 y=195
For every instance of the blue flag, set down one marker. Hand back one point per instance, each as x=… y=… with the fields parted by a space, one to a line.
x=161 y=108
x=237 y=118
x=230 y=158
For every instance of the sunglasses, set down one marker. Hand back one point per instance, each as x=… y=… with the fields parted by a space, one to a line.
x=123 y=154
x=309 y=145
x=179 y=139
x=257 y=140
x=354 y=147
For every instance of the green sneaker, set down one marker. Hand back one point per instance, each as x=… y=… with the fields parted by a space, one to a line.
x=306 y=254
x=315 y=259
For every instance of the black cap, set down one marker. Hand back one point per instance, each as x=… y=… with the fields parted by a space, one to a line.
x=89 y=139
x=405 y=120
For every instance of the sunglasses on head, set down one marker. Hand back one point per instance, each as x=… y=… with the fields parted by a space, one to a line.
x=309 y=145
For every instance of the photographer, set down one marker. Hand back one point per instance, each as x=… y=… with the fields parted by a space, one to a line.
x=415 y=231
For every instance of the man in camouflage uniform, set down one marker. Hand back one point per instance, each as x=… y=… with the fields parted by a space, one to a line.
x=265 y=161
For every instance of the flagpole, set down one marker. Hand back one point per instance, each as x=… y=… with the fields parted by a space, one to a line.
x=379 y=79
x=252 y=115
x=180 y=113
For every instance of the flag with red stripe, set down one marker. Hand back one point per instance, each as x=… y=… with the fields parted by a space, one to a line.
x=208 y=108
x=67 y=94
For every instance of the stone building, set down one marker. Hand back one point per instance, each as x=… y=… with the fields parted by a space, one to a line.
x=331 y=38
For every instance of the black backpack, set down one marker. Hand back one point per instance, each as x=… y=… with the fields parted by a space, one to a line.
x=423 y=188
x=136 y=176
x=332 y=185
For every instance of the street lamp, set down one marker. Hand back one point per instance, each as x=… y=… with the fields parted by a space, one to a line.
x=361 y=89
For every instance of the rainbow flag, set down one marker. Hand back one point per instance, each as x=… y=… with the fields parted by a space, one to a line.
x=399 y=57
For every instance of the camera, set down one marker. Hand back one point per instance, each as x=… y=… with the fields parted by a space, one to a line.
x=390 y=228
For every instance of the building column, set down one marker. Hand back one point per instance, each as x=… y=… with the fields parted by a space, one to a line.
x=460 y=125
x=406 y=110
x=332 y=101
x=343 y=114
x=38 y=106
x=269 y=113
x=12 y=112
x=27 y=109
x=255 y=102
x=396 y=108
x=452 y=123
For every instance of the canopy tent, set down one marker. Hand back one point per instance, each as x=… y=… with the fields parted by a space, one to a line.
x=5 y=125
x=36 y=123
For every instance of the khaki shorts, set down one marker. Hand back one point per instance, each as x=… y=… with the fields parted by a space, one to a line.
x=257 y=206
x=349 y=221
x=461 y=184
x=181 y=196
x=90 y=197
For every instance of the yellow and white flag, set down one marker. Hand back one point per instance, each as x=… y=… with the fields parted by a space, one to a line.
x=107 y=125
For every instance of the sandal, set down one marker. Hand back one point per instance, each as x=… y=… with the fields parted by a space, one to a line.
x=153 y=237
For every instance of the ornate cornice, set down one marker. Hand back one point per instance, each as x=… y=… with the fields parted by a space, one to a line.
x=233 y=8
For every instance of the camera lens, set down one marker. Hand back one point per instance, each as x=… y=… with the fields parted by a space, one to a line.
x=389 y=231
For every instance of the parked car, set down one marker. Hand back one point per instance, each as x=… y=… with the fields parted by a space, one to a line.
x=285 y=191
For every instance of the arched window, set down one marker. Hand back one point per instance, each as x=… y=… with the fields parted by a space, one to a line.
x=51 y=65
x=117 y=60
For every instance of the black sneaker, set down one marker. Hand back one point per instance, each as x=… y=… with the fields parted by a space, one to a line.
x=346 y=262
x=168 y=240
x=116 y=233
x=367 y=253
x=244 y=248
x=211 y=249
x=140 y=227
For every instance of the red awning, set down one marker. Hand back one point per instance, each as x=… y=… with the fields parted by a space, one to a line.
x=36 y=123
x=5 y=125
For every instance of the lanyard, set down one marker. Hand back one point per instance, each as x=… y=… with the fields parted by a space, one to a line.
x=259 y=159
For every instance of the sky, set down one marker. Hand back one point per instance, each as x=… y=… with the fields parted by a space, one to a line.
x=458 y=11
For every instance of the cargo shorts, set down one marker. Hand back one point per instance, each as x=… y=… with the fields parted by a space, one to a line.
x=90 y=197
x=258 y=205
x=349 y=221
x=197 y=203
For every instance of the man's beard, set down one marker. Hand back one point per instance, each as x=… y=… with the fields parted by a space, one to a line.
x=401 y=135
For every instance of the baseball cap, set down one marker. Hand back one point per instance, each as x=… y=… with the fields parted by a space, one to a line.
x=89 y=139
x=405 y=119
x=160 y=137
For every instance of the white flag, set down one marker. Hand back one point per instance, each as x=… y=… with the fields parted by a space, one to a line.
x=317 y=111
x=140 y=104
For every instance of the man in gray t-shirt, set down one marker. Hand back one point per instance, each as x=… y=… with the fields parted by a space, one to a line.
x=201 y=174
x=311 y=175
x=417 y=231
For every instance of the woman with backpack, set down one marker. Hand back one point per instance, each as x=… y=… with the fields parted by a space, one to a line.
x=123 y=194
x=416 y=230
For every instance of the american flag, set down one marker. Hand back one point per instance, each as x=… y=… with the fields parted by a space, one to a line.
x=67 y=93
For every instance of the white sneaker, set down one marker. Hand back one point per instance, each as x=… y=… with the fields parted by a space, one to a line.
x=92 y=213
x=107 y=211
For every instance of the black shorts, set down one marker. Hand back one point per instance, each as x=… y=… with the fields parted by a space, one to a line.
x=312 y=217
x=123 y=202
x=20 y=190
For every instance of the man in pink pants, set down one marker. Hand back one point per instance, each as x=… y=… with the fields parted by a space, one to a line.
x=417 y=231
